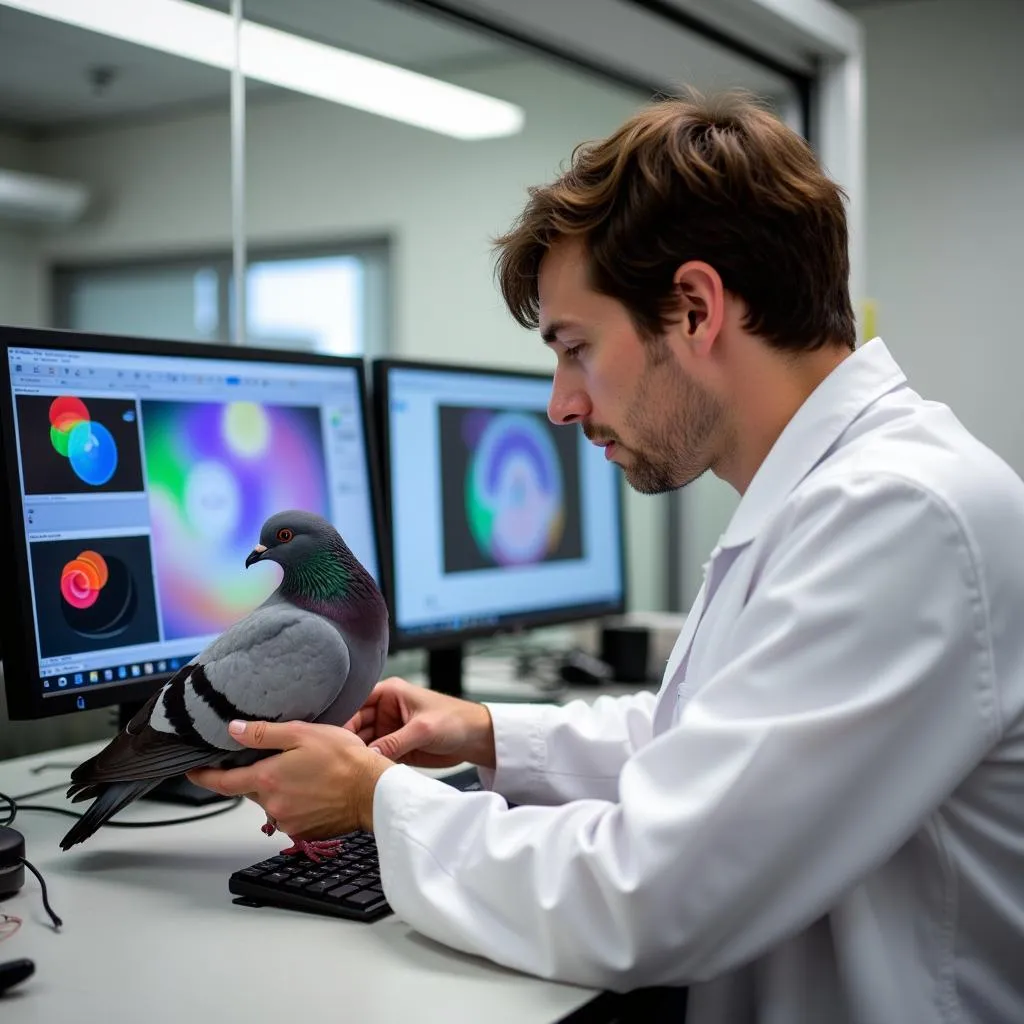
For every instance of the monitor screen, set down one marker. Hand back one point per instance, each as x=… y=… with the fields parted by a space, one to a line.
x=498 y=519
x=138 y=475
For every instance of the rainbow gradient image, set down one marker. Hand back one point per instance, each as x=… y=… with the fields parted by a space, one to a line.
x=216 y=471
x=514 y=490
x=89 y=447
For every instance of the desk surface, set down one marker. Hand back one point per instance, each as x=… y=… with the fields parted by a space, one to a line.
x=151 y=935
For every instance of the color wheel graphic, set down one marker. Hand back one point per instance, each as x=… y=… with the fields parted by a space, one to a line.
x=99 y=595
x=88 y=446
x=514 y=491
x=83 y=578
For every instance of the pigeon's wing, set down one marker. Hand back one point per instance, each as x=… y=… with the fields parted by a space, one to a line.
x=279 y=663
x=366 y=662
x=140 y=752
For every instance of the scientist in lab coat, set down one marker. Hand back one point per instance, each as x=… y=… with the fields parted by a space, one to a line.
x=820 y=816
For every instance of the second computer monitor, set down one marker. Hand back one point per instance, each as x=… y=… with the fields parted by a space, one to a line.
x=499 y=520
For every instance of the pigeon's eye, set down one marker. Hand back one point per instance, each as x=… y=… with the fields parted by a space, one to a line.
x=284 y=535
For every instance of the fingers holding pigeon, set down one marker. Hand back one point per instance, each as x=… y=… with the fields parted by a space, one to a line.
x=320 y=785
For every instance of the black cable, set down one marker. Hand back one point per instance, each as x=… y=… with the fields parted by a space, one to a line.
x=14 y=805
x=235 y=801
x=52 y=764
x=40 y=792
x=57 y=922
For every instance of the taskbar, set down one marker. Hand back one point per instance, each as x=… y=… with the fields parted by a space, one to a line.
x=112 y=675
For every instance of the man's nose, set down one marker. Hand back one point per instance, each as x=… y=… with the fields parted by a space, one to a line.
x=568 y=403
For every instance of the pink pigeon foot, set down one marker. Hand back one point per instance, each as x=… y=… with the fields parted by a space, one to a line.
x=314 y=849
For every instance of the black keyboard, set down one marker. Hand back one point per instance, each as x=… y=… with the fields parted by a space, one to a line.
x=344 y=884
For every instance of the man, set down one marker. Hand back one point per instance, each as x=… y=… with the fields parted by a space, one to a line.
x=821 y=816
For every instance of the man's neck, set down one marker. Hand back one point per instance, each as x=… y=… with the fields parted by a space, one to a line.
x=768 y=392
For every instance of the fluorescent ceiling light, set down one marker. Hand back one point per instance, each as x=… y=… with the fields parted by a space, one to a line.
x=292 y=62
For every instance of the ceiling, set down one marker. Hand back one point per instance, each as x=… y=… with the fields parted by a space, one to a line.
x=52 y=75
x=55 y=77
x=858 y=5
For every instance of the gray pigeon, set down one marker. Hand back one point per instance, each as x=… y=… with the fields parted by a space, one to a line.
x=312 y=651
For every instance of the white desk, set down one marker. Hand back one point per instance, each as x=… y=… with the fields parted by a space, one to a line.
x=151 y=935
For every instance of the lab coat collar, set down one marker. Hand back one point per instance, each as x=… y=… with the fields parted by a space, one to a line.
x=856 y=383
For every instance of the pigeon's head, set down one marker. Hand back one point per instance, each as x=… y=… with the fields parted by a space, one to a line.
x=290 y=537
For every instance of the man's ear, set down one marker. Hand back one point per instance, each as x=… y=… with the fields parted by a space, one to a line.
x=701 y=304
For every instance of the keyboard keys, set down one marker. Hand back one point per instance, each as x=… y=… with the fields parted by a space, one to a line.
x=363 y=897
x=342 y=891
x=345 y=884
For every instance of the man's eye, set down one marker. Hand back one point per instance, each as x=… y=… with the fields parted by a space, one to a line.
x=573 y=351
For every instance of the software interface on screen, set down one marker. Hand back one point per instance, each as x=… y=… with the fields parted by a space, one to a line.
x=145 y=480
x=496 y=513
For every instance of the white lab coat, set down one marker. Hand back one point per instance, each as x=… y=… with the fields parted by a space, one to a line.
x=821 y=816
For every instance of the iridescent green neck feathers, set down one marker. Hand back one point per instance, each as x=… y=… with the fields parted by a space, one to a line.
x=323 y=578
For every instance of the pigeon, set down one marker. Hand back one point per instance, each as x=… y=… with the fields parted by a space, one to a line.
x=312 y=651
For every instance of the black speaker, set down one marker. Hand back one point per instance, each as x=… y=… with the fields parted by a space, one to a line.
x=625 y=649
x=12 y=868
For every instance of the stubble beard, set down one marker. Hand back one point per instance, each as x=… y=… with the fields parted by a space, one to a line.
x=674 y=421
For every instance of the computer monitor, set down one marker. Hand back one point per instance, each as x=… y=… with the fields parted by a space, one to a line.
x=498 y=520
x=136 y=475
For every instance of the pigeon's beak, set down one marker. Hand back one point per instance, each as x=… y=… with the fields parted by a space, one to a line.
x=256 y=554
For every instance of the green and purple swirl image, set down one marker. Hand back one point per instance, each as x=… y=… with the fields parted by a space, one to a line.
x=514 y=490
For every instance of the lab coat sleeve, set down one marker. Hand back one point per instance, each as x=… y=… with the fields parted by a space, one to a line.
x=861 y=692
x=549 y=755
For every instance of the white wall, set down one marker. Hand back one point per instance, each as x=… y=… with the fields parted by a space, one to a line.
x=317 y=171
x=19 y=277
x=19 y=262
x=945 y=220
x=945 y=211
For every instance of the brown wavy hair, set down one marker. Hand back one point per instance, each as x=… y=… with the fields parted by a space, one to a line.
x=720 y=180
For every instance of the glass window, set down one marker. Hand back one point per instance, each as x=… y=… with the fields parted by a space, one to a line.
x=323 y=301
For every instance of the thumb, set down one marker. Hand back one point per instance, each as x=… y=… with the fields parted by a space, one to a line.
x=411 y=736
x=263 y=735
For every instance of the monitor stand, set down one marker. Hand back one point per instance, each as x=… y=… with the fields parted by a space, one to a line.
x=177 y=789
x=445 y=675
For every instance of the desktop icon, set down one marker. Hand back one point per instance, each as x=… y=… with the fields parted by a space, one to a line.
x=62 y=681
x=161 y=666
x=175 y=664
x=80 y=703
x=136 y=670
x=108 y=675
x=122 y=672
x=79 y=679
x=46 y=684
x=94 y=676
x=148 y=668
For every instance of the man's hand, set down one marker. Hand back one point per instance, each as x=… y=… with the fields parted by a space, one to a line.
x=320 y=785
x=423 y=728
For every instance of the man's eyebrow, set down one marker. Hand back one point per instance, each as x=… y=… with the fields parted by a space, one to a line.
x=551 y=332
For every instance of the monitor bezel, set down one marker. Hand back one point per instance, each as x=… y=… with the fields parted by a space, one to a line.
x=516 y=623
x=17 y=629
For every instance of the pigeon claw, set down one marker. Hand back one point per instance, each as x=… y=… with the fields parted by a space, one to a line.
x=314 y=849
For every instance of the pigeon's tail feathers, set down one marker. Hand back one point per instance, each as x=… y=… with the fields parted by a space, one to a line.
x=149 y=755
x=110 y=800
